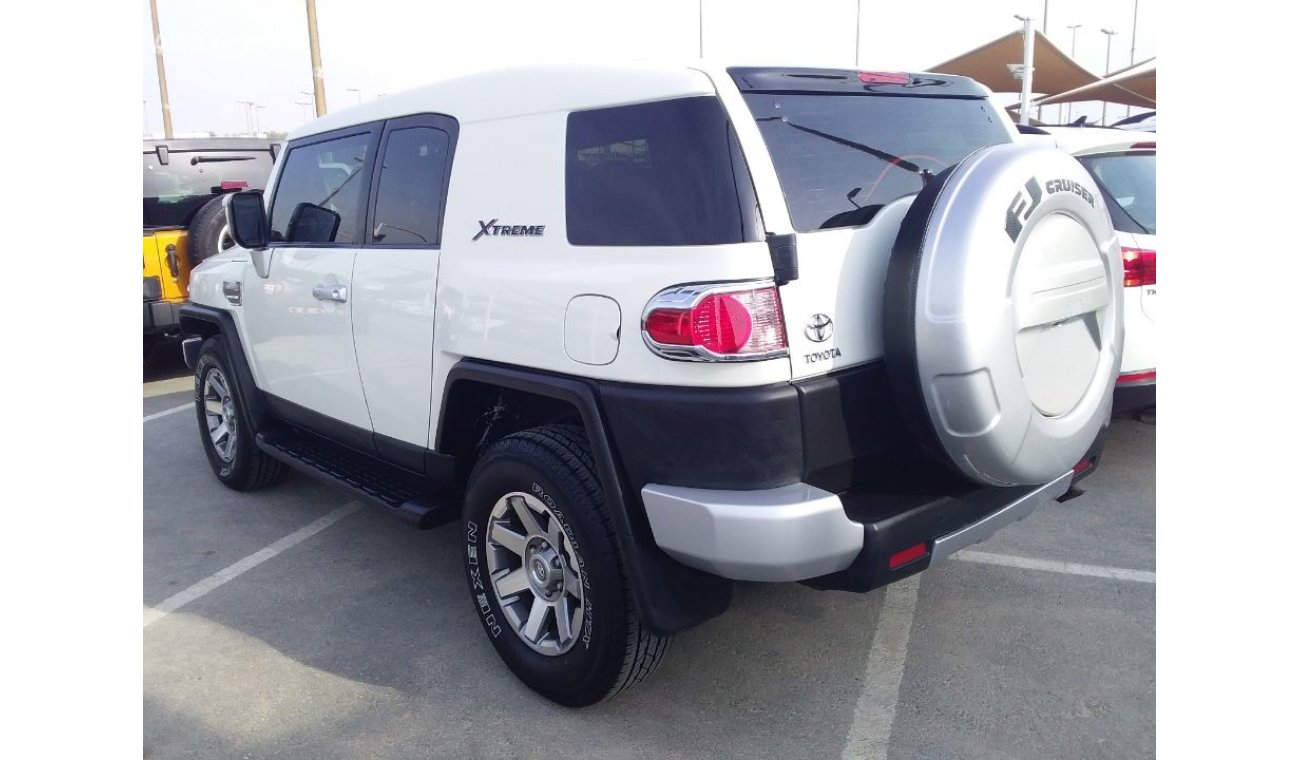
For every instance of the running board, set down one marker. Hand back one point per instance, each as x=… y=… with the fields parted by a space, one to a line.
x=406 y=494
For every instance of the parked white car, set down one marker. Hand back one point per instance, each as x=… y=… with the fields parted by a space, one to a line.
x=646 y=331
x=1124 y=165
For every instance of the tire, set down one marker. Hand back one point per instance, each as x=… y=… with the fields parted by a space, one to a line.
x=1003 y=321
x=207 y=234
x=548 y=473
x=234 y=456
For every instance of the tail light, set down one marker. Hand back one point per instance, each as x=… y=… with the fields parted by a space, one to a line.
x=711 y=323
x=1139 y=267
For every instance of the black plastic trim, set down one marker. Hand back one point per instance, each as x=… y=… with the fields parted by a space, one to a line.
x=670 y=596
x=204 y=321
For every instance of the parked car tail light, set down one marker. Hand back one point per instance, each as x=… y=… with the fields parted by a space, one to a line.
x=735 y=322
x=1139 y=267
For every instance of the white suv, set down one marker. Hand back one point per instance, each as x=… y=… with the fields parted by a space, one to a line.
x=1124 y=165
x=644 y=331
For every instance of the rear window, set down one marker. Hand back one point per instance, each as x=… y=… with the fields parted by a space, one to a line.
x=1128 y=180
x=841 y=158
x=173 y=192
x=663 y=173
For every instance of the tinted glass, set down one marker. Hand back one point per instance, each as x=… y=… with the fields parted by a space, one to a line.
x=408 y=207
x=840 y=158
x=653 y=174
x=324 y=175
x=173 y=192
x=1129 y=181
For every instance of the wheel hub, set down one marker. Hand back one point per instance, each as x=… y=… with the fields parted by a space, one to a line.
x=532 y=565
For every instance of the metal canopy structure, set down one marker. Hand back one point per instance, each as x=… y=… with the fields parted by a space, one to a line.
x=1054 y=71
x=1134 y=86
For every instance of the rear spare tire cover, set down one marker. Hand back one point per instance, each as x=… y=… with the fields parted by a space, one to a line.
x=1003 y=324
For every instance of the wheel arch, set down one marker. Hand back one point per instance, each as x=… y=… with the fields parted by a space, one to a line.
x=205 y=322
x=484 y=401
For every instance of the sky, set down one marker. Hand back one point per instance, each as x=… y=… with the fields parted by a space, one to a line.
x=219 y=53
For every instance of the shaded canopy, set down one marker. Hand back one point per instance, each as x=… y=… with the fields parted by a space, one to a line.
x=1134 y=86
x=1054 y=71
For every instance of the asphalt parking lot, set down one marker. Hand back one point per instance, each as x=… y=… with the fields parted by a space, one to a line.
x=295 y=623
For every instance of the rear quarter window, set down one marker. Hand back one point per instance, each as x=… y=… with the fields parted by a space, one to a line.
x=656 y=174
x=1128 y=182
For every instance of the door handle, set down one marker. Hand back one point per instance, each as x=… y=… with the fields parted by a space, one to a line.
x=337 y=293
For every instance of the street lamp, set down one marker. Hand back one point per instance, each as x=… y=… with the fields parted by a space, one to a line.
x=306 y=115
x=257 y=120
x=248 y=113
x=1110 y=35
x=1027 y=69
x=358 y=92
x=1074 y=36
x=1132 y=50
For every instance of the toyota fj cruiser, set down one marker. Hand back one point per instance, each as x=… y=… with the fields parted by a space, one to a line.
x=645 y=331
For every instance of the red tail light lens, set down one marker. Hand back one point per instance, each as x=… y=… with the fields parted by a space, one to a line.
x=1139 y=267
x=910 y=554
x=716 y=324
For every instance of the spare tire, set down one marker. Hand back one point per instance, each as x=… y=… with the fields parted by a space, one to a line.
x=208 y=233
x=1002 y=321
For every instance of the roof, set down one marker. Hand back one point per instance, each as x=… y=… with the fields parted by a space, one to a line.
x=210 y=143
x=1054 y=71
x=525 y=90
x=1133 y=86
x=1079 y=140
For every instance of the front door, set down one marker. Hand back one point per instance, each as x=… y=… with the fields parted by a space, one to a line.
x=299 y=318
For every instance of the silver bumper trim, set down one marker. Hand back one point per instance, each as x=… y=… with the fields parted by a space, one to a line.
x=776 y=534
x=945 y=546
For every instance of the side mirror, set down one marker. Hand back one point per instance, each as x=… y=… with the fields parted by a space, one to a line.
x=310 y=223
x=246 y=216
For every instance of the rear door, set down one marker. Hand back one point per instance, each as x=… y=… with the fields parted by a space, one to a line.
x=395 y=280
x=850 y=152
x=299 y=319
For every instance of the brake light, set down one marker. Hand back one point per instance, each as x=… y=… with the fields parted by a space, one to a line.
x=1148 y=376
x=715 y=323
x=1139 y=267
x=883 y=77
x=1143 y=146
x=233 y=184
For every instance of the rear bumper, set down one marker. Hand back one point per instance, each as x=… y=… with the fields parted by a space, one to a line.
x=802 y=533
x=1135 y=391
x=162 y=317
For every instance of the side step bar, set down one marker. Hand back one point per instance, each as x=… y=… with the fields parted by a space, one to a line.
x=406 y=494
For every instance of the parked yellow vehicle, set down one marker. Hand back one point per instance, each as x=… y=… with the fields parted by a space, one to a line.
x=183 y=218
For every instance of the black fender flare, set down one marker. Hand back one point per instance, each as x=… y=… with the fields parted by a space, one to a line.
x=670 y=596
x=204 y=322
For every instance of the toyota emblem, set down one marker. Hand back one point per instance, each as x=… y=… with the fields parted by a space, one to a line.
x=819 y=328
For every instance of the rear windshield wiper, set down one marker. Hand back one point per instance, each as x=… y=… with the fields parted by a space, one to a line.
x=901 y=163
x=217 y=159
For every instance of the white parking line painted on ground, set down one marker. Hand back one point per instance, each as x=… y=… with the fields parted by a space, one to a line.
x=166 y=412
x=176 y=601
x=1055 y=566
x=168 y=386
x=873 y=718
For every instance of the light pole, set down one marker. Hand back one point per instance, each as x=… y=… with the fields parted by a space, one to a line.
x=1110 y=35
x=857 y=37
x=248 y=113
x=1074 y=36
x=358 y=92
x=1132 y=50
x=1027 y=69
x=257 y=120
x=701 y=28
x=162 y=72
x=306 y=115
x=317 y=73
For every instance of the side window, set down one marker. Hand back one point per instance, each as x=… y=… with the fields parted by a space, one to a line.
x=408 y=204
x=653 y=174
x=319 y=196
